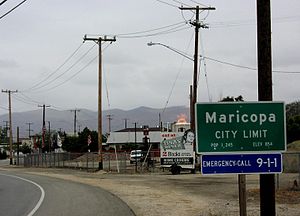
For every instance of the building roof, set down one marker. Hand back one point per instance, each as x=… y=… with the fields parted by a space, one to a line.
x=138 y=129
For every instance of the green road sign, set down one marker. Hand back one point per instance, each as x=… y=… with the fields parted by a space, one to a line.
x=240 y=127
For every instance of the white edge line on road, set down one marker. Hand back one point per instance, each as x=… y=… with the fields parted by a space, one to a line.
x=39 y=203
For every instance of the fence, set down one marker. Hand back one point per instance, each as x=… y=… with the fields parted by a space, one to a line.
x=112 y=162
x=291 y=162
x=119 y=162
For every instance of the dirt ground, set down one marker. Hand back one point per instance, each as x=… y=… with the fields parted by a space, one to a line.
x=182 y=195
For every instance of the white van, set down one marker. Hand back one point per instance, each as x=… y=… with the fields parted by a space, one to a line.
x=135 y=156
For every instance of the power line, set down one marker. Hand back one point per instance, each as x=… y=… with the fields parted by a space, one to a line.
x=150 y=30
x=29 y=98
x=55 y=71
x=204 y=67
x=74 y=75
x=71 y=77
x=1 y=107
x=1 y=3
x=181 y=3
x=176 y=78
x=247 y=67
x=66 y=71
x=199 y=3
x=23 y=100
x=106 y=87
x=11 y=10
x=172 y=30
x=166 y=3
x=236 y=23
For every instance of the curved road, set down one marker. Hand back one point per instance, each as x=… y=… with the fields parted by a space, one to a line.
x=21 y=194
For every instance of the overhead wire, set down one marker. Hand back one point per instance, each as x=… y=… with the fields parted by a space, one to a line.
x=71 y=77
x=166 y=3
x=144 y=31
x=105 y=82
x=65 y=72
x=231 y=64
x=57 y=69
x=1 y=107
x=1 y=3
x=171 y=30
x=11 y=10
x=75 y=74
x=151 y=30
x=204 y=67
x=29 y=98
x=247 y=67
x=176 y=78
x=15 y=96
x=236 y=23
x=198 y=3
x=179 y=2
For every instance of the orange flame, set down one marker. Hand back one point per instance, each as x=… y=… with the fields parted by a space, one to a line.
x=182 y=118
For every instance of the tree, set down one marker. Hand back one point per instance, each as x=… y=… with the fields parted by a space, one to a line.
x=293 y=128
x=229 y=99
x=25 y=149
x=3 y=154
x=293 y=121
x=80 y=143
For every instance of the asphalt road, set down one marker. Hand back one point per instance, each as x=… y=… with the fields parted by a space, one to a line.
x=25 y=194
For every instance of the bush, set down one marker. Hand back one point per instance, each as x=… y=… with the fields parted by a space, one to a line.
x=3 y=155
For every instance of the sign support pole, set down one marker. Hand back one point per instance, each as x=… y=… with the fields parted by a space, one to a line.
x=242 y=194
x=264 y=55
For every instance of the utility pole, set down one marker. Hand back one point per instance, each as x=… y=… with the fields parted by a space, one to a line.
x=18 y=146
x=6 y=128
x=125 y=122
x=49 y=136
x=10 y=125
x=75 y=119
x=109 y=117
x=29 y=124
x=44 y=124
x=197 y=25
x=264 y=60
x=99 y=41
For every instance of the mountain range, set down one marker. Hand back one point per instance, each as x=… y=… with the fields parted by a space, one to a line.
x=64 y=120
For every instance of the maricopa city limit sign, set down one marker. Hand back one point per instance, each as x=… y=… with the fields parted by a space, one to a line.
x=240 y=127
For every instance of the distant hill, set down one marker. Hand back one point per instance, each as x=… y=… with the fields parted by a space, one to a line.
x=88 y=118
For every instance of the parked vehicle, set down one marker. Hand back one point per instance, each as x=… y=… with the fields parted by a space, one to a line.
x=136 y=156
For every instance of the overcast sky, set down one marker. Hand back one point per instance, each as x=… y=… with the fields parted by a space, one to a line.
x=38 y=37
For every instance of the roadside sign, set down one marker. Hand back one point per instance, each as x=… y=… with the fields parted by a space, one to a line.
x=241 y=163
x=240 y=127
x=177 y=148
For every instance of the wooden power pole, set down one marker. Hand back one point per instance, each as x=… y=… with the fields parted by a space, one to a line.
x=75 y=119
x=44 y=124
x=109 y=118
x=197 y=25
x=264 y=59
x=10 y=125
x=99 y=41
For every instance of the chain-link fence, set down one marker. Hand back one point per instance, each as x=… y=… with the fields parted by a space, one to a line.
x=291 y=162
x=112 y=162
x=119 y=162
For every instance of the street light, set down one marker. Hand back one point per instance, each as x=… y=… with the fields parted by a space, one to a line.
x=170 y=48
x=192 y=99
